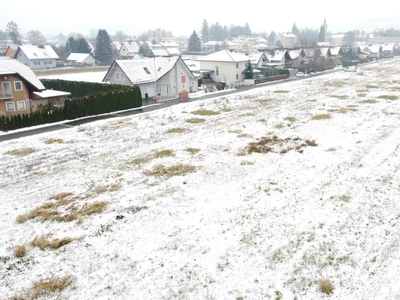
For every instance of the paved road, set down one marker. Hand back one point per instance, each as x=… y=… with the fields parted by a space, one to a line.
x=148 y=105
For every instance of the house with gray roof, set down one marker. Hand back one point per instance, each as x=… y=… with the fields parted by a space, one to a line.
x=128 y=50
x=80 y=60
x=37 y=57
x=223 y=66
x=21 y=92
x=161 y=77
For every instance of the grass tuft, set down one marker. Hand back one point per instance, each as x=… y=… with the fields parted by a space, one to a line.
x=321 y=117
x=325 y=286
x=290 y=119
x=54 y=141
x=47 y=286
x=21 y=152
x=163 y=153
x=175 y=170
x=388 y=97
x=43 y=242
x=176 y=130
x=205 y=112
x=192 y=150
x=20 y=251
x=370 y=101
x=281 y=91
x=195 y=120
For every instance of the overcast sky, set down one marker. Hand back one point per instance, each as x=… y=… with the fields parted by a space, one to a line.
x=182 y=17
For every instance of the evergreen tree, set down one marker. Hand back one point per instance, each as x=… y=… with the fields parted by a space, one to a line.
x=194 y=43
x=247 y=29
x=271 y=39
x=321 y=35
x=70 y=45
x=144 y=49
x=248 y=72
x=103 y=47
x=14 y=32
x=205 y=32
x=295 y=30
x=82 y=46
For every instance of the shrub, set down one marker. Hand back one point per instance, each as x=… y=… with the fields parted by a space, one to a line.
x=326 y=286
x=20 y=251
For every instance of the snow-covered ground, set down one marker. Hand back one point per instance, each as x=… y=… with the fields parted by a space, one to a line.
x=83 y=76
x=321 y=202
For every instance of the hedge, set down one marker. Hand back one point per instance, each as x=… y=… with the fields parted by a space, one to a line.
x=106 y=98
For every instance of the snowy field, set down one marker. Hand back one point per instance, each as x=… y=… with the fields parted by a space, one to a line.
x=281 y=192
x=89 y=76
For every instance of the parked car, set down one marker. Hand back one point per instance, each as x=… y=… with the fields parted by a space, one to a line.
x=350 y=69
x=299 y=74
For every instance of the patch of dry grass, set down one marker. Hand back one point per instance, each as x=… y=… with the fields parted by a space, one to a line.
x=192 y=150
x=205 y=112
x=226 y=109
x=361 y=95
x=117 y=125
x=176 y=130
x=337 y=83
x=20 y=251
x=43 y=242
x=163 y=153
x=140 y=160
x=195 y=120
x=325 y=286
x=342 y=110
x=290 y=119
x=279 y=126
x=321 y=117
x=21 y=152
x=388 y=97
x=54 y=141
x=281 y=91
x=369 y=101
x=174 y=170
x=66 y=207
x=372 y=86
x=263 y=101
x=277 y=145
x=244 y=135
x=341 y=97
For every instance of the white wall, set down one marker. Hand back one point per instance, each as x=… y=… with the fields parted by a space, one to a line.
x=227 y=70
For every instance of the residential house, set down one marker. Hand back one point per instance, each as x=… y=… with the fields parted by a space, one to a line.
x=11 y=49
x=165 y=49
x=128 y=50
x=37 y=57
x=260 y=47
x=335 y=39
x=214 y=46
x=80 y=60
x=259 y=61
x=286 y=40
x=276 y=57
x=161 y=77
x=246 y=42
x=115 y=47
x=294 y=57
x=21 y=92
x=224 y=66
x=335 y=53
x=388 y=49
x=374 y=51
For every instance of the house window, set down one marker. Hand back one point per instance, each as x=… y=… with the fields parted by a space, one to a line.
x=147 y=70
x=18 y=85
x=237 y=65
x=216 y=70
x=116 y=76
x=10 y=106
x=21 y=105
x=7 y=93
x=28 y=104
x=237 y=76
x=37 y=63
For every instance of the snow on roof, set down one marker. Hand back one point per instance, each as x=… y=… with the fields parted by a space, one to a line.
x=219 y=43
x=8 y=64
x=260 y=46
x=117 y=45
x=294 y=53
x=39 y=52
x=287 y=34
x=373 y=48
x=323 y=51
x=143 y=70
x=276 y=56
x=78 y=57
x=132 y=47
x=173 y=51
x=247 y=39
x=193 y=66
x=255 y=57
x=335 y=50
x=388 y=47
x=159 y=52
x=166 y=45
x=51 y=94
x=224 y=56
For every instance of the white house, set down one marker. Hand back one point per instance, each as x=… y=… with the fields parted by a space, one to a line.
x=128 y=50
x=37 y=57
x=80 y=60
x=165 y=77
x=224 y=66
x=276 y=57
x=286 y=39
x=373 y=50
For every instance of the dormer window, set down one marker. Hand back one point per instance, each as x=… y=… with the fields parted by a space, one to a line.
x=34 y=54
x=147 y=70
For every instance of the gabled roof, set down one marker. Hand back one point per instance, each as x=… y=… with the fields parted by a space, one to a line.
x=219 y=43
x=159 y=52
x=145 y=70
x=13 y=66
x=117 y=45
x=247 y=39
x=78 y=57
x=132 y=47
x=224 y=56
x=165 y=45
x=255 y=57
x=173 y=51
x=295 y=53
x=277 y=55
x=372 y=48
x=287 y=34
x=323 y=51
x=38 y=52
x=388 y=47
x=260 y=46
x=335 y=50
x=193 y=67
x=13 y=47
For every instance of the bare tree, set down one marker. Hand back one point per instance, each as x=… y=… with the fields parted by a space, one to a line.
x=120 y=36
x=14 y=32
x=35 y=37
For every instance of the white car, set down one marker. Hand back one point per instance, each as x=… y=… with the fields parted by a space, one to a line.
x=351 y=69
x=299 y=74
